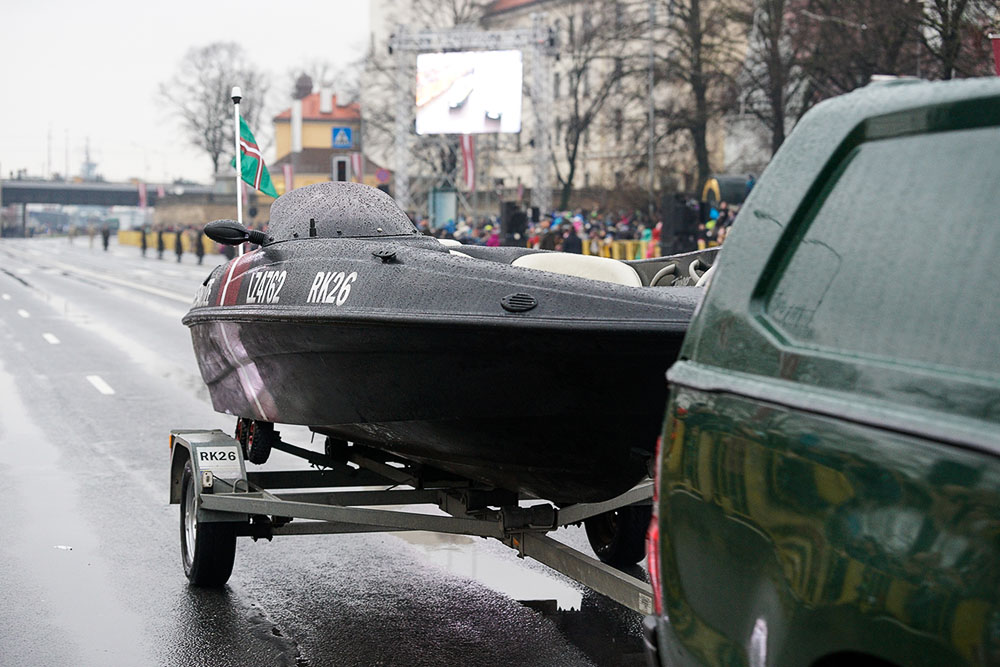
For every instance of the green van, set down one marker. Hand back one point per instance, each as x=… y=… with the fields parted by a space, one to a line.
x=828 y=478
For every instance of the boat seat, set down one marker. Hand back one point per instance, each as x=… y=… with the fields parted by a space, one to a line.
x=451 y=243
x=582 y=266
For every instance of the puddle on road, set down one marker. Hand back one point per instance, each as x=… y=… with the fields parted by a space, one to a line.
x=464 y=556
x=63 y=575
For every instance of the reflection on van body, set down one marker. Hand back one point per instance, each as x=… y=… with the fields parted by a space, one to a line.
x=837 y=535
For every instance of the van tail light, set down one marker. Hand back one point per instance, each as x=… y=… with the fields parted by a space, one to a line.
x=653 y=562
x=653 y=535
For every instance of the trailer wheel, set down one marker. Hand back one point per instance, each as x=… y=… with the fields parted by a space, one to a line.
x=208 y=550
x=258 y=442
x=618 y=537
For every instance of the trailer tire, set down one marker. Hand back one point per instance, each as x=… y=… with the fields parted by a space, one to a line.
x=618 y=537
x=258 y=441
x=208 y=550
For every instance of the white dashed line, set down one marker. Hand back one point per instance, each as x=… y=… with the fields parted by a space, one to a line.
x=6 y=297
x=50 y=338
x=23 y=313
x=100 y=385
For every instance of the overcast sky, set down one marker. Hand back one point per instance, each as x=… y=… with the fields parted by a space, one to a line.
x=93 y=69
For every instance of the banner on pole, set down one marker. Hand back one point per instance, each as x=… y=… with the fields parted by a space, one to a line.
x=289 y=174
x=357 y=168
x=995 y=41
x=142 y=195
x=469 y=161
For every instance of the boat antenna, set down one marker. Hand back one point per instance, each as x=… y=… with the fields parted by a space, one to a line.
x=237 y=96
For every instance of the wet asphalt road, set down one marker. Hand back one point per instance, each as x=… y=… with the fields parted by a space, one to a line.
x=95 y=369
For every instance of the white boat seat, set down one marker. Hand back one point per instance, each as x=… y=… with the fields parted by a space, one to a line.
x=451 y=243
x=582 y=266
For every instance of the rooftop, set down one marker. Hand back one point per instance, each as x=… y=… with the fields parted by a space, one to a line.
x=310 y=110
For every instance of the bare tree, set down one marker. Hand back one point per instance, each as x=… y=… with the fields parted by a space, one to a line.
x=773 y=84
x=852 y=40
x=802 y=51
x=954 y=34
x=595 y=70
x=698 y=68
x=200 y=95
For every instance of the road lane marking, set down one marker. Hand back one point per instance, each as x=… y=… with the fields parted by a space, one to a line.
x=131 y=284
x=23 y=313
x=173 y=296
x=100 y=385
x=6 y=297
x=50 y=338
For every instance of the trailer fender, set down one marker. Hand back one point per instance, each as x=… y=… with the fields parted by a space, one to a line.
x=216 y=461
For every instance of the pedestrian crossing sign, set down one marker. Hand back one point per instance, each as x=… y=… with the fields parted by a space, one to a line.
x=342 y=137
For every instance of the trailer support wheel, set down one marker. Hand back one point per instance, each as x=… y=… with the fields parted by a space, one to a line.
x=618 y=537
x=208 y=549
x=255 y=437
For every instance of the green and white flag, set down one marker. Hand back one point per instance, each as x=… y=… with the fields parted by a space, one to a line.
x=252 y=163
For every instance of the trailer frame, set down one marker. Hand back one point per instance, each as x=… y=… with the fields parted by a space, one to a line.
x=336 y=497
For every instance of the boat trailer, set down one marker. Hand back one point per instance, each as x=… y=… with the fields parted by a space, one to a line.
x=220 y=501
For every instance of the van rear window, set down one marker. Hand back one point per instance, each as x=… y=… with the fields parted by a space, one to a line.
x=900 y=257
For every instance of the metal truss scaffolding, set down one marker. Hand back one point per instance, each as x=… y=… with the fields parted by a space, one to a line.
x=535 y=40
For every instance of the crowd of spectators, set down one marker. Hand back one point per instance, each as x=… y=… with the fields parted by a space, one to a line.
x=570 y=231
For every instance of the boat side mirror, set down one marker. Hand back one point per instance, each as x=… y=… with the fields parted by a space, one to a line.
x=230 y=232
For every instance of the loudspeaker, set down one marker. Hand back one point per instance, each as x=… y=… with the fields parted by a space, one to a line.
x=517 y=223
x=513 y=224
x=507 y=209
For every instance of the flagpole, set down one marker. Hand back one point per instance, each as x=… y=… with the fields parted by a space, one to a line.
x=237 y=96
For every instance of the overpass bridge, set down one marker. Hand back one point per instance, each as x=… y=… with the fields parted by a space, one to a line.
x=84 y=193
x=21 y=192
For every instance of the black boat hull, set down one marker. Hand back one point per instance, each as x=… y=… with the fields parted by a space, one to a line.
x=517 y=407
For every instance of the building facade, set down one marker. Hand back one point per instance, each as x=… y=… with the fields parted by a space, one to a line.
x=319 y=139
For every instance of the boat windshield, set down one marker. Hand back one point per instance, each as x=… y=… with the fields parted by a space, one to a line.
x=337 y=210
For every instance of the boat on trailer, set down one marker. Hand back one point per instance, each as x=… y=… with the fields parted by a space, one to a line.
x=535 y=372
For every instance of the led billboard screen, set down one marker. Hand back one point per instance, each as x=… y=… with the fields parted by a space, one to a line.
x=469 y=92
